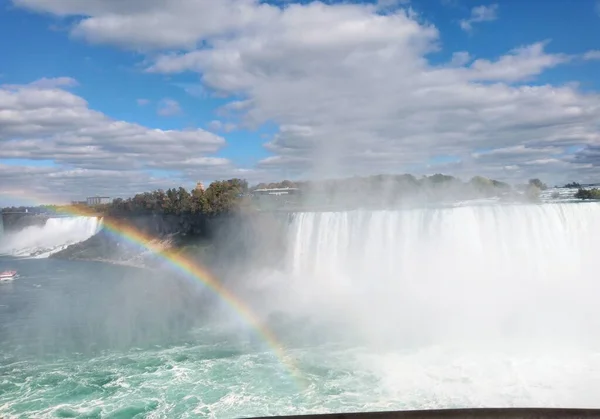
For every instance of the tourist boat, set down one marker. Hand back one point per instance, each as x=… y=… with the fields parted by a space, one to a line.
x=8 y=275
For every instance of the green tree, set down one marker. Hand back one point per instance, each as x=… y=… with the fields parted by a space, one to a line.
x=572 y=185
x=588 y=193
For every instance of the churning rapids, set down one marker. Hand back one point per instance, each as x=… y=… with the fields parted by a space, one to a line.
x=474 y=306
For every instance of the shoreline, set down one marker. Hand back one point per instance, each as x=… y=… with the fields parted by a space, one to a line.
x=127 y=263
x=137 y=259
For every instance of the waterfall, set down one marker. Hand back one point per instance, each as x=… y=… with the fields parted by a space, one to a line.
x=55 y=235
x=496 y=270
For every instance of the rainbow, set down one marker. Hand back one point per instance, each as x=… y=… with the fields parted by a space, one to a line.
x=197 y=273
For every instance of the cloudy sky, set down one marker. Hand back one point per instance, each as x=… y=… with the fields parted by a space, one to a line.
x=115 y=97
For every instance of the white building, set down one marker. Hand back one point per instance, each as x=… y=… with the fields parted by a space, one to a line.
x=275 y=191
x=97 y=200
x=275 y=197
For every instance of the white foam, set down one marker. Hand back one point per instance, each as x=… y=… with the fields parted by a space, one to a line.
x=55 y=235
x=479 y=272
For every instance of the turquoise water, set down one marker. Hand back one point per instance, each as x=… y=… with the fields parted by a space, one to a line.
x=91 y=340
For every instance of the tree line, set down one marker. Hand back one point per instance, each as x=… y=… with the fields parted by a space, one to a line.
x=593 y=193
x=220 y=197
x=388 y=190
x=231 y=195
x=39 y=210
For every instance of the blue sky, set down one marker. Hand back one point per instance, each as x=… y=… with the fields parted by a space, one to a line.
x=112 y=81
x=300 y=119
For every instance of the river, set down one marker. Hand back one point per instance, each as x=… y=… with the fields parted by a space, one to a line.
x=376 y=310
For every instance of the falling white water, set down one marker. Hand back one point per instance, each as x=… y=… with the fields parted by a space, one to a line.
x=526 y=272
x=55 y=235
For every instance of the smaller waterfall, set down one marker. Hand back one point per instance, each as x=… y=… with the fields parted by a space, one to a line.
x=55 y=235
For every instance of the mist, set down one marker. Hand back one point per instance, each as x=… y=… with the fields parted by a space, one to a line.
x=510 y=275
x=62 y=307
x=87 y=308
x=477 y=304
x=397 y=278
x=51 y=236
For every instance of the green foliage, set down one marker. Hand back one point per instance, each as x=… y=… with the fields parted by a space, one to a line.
x=365 y=192
x=42 y=209
x=500 y=185
x=219 y=197
x=274 y=185
x=538 y=184
x=380 y=191
x=572 y=185
x=438 y=179
x=224 y=196
x=384 y=191
x=588 y=193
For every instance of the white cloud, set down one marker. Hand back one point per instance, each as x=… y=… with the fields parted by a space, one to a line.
x=192 y=89
x=51 y=124
x=380 y=106
x=47 y=83
x=134 y=22
x=143 y=102
x=55 y=82
x=592 y=55
x=31 y=185
x=217 y=125
x=168 y=107
x=519 y=64
x=387 y=4
x=480 y=14
x=460 y=58
x=363 y=99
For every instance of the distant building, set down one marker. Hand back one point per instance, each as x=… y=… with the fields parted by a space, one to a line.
x=98 y=200
x=199 y=186
x=276 y=191
x=270 y=198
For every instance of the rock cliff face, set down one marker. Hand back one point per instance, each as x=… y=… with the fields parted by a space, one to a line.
x=166 y=225
x=168 y=230
x=232 y=239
